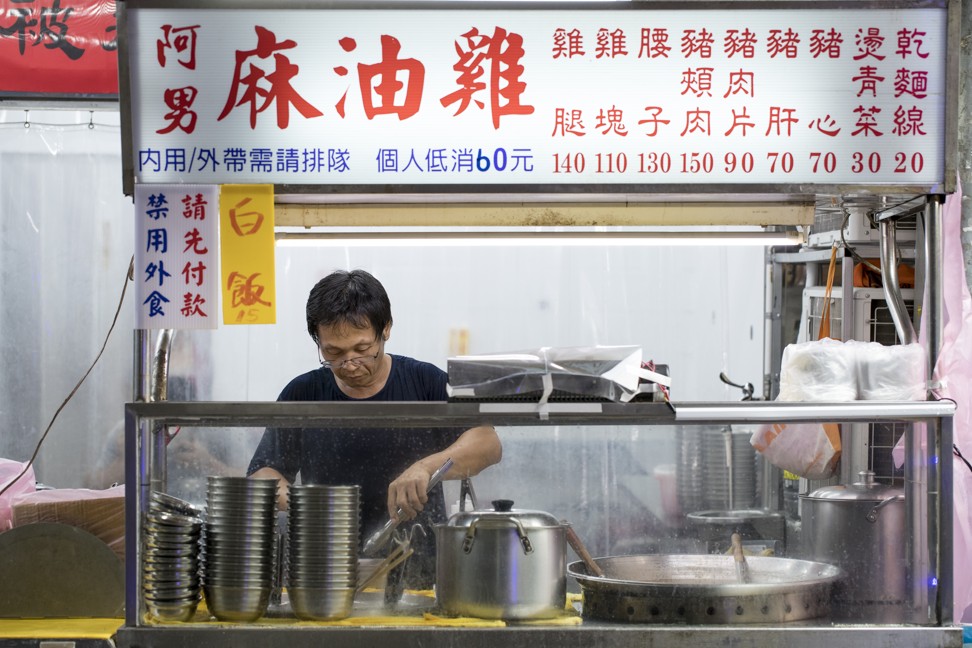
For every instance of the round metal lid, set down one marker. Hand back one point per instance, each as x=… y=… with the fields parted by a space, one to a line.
x=865 y=490
x=503 y=510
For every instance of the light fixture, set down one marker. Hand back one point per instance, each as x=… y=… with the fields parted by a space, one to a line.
x=388 y=237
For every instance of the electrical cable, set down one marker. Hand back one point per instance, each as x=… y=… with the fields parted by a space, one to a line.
x=129 y=276
x=957 y=453
x=854 y=254
x=875 y=212
x=26 y=123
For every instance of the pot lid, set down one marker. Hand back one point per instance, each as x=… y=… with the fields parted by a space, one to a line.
x=503 y=510
x=866 y=490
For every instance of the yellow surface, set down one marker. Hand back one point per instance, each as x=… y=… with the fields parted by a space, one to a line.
x=425 y=619
x=59 y=628
x=202 y=618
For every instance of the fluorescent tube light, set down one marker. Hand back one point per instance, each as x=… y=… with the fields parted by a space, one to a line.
x=363 y=238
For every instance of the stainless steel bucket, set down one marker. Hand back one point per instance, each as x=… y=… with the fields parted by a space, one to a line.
x=860 y=527
x=501 y=564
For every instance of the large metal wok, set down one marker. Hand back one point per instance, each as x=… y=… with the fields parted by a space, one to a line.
x=704 y=589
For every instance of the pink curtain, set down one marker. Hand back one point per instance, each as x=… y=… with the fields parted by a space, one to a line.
x=953 y=372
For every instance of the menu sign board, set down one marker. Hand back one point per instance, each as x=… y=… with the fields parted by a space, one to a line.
x=453 y=98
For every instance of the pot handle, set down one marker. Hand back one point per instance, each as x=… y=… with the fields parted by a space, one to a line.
x=872 y=515
x=469 y=539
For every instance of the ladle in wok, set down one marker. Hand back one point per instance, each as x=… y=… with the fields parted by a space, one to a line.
x=742 y=567
x=578 y=546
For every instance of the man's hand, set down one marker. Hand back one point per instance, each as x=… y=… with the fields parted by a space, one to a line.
x=408 y=492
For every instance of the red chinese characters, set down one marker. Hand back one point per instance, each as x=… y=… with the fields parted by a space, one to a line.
x=387 y=72
x=263 y=85
x=502 y=52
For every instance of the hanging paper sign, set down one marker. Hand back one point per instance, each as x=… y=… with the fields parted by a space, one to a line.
x=176 y=251
x=246 y=229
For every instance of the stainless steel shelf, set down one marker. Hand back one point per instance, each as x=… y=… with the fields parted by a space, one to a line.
x=457 y=414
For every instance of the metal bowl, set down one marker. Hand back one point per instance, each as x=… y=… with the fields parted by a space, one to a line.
x=237 y=603
x=172 y=551
x=164 y=502
x=219 y=497
x=238 y=581
x=321 y=603
x=240 y=530
x=178 y=522
x=705 y=589
x=178 y=611
x=717 y=526
x=183 y=563
x=156 y=593
x=347 y=547
x=248 y=512
x=244 y=483
x=170 y=534
x=152 y=579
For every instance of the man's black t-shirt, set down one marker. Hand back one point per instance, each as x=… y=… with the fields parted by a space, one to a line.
x=371 y=458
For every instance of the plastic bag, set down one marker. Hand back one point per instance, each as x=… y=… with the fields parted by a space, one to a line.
x=890 y=372
x=823 y=370
x=810 y=450
x=613 y=373
x=9 y=470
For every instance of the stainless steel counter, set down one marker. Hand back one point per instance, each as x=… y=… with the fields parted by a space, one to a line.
x=588 y=634
x=145 y=424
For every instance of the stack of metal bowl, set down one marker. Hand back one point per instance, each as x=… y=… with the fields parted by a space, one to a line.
x=240 y=545
x=170 y=558
x=322 y=556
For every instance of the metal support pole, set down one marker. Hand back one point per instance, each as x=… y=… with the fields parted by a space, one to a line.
x=934 y=308
x=136 y=475
x=141 y=372
x=939 y=456
x=943 y=451
x=892 y=290
x=928 y=514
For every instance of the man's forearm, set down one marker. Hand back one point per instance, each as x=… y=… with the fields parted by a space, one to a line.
x=477 y=449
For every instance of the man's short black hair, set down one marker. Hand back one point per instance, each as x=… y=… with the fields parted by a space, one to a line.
x=348 y=297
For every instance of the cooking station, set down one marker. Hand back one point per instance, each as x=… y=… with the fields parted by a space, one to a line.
x=925 y=619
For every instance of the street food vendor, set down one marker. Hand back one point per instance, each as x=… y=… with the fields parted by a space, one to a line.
x=349 y=318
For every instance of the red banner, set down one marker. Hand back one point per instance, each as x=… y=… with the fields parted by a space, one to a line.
x=58 y=47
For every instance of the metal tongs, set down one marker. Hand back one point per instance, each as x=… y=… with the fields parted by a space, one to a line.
x=399 y=554
x=381 y=537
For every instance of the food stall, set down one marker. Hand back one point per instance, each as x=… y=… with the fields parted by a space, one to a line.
x=700 y=120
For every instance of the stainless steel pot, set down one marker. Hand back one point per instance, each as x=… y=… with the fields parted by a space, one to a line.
x=860 y=527
x=501 y=564
x=754 y=526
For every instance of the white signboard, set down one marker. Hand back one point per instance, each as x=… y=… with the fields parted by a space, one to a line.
x=176 y=257
x=459 y=98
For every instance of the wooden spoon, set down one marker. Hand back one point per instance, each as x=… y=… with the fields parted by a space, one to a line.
x=575 y=543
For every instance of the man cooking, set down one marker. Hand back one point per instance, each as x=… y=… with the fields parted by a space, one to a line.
x=349 y=318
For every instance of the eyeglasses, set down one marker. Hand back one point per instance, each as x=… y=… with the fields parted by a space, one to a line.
x=356 y=361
